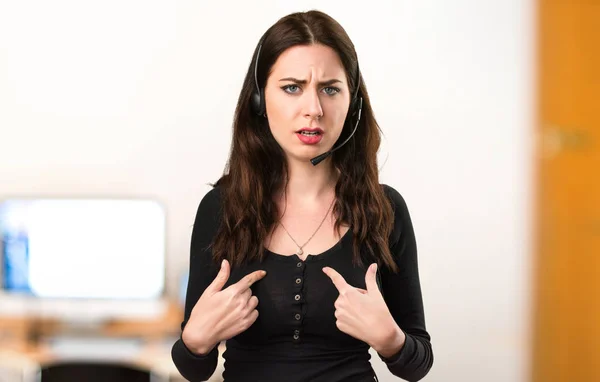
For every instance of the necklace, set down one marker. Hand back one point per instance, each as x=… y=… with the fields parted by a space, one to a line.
x=300 y=251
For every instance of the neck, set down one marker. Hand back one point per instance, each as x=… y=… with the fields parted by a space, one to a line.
x=308 y=184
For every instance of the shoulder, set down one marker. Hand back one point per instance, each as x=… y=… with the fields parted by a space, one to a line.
x=397 y=200
x=211 y=201
x=209 y=209
x=393 y=194
x=402 y=219
x=206 y=222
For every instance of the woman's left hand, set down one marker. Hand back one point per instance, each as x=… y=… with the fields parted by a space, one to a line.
x=364 y=315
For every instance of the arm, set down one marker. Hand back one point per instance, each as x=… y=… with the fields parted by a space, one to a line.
x=199 y=367
x=402 y=294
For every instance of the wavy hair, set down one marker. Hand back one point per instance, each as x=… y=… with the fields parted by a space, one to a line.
x=257 y=167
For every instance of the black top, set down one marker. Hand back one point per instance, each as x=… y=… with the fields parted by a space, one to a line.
x=295 y=337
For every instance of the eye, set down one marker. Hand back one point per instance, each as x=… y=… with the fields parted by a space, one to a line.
x=331 y=90
x=292 y=89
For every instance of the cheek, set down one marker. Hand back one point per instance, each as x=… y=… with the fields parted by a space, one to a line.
x=281 y=113
x=341 y=117
x=337 y=119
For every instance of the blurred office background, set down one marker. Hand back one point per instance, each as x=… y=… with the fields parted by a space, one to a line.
x=490 y=115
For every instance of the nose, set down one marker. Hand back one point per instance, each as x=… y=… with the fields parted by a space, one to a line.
x=312 y=105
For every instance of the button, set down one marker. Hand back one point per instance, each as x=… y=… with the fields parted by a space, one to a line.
x=298 y=280
x=297 y=297
x=299 y=265
x=297 y=316
x=296 y=336
x=297 y=332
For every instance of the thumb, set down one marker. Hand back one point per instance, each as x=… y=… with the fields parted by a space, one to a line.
x=222 y=277
x=371 y=280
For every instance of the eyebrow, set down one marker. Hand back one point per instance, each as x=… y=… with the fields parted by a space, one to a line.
x=303 y=82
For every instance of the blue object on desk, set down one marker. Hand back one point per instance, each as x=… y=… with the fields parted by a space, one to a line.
x=15 y=250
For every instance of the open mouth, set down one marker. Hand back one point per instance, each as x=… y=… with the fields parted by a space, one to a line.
x=309 y=133
x=310 y=136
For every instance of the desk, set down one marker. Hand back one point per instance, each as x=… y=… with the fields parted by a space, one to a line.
x=153 y=354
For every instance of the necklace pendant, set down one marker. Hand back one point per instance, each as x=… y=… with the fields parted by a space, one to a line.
x=300 y=252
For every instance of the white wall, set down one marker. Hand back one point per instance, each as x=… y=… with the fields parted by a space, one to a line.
x=135 y=98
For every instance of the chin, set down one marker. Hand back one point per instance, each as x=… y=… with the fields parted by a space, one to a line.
x=302 y=155
x=305 y=156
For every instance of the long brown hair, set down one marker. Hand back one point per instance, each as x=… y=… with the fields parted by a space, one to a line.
x=257 y=167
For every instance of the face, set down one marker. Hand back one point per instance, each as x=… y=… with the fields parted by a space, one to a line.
x=307 y=98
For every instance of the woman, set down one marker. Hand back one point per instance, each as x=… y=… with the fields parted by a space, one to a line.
x=302 y=261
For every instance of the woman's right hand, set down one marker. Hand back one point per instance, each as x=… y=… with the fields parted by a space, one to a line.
x=221 y=314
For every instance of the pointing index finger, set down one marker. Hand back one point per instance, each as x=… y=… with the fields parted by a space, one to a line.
x=337 y=279
x=247 y=281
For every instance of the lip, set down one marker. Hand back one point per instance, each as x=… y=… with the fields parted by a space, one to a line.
x=311 y=130
x=309 y=139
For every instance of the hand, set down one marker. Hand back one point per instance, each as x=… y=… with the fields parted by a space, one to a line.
x=364 y=315
x=221 y=314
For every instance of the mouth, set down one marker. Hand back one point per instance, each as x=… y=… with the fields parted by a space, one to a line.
x=310 y=135
x=310 y=132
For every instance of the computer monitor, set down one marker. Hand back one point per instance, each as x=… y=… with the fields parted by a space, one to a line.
x=81 y=259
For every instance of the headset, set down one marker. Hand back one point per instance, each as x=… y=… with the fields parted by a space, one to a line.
x=355 y=109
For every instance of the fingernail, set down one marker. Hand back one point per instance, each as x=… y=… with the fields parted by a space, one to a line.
x=374 y=267
x=223 y=263
x=263 y=273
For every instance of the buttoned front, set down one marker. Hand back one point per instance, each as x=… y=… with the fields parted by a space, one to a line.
x=297 y=302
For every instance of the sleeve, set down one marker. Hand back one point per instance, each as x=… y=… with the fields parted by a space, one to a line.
x=402 y=294
x=202 y=272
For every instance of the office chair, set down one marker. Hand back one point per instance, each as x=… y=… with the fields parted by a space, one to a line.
x=96 y=372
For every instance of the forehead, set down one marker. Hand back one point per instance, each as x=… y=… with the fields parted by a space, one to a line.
x=301 y=60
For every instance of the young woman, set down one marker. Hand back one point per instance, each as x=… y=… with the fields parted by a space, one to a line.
x=300 y=259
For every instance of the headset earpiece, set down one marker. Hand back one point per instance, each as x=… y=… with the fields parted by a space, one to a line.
x=355 y=106
x=258 y=102
x=258 y=95
x=356 y=103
